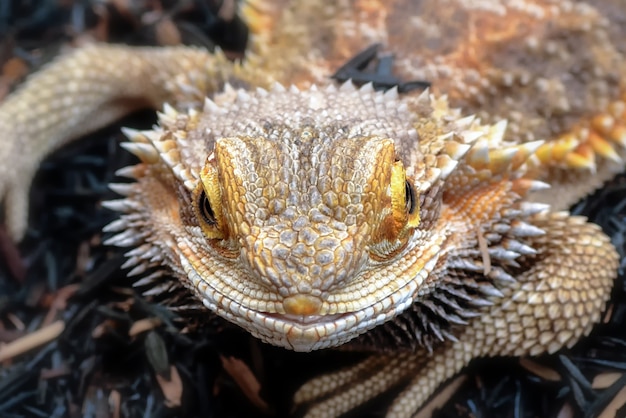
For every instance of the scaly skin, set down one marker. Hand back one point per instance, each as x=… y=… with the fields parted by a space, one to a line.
x=320 y=216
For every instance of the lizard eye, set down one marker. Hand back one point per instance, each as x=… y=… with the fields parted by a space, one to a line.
x=410 y=198
x=207 y=203
x=205 y=209
x=404 y=200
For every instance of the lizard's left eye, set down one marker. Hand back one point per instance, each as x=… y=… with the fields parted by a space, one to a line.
x=410 y=197
x=207 y=203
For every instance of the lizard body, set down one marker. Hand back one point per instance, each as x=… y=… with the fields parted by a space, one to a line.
x=320 y=216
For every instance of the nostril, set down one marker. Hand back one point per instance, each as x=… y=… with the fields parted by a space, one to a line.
x=302 y=305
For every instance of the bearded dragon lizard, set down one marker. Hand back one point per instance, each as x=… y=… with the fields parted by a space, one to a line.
x=316 y=215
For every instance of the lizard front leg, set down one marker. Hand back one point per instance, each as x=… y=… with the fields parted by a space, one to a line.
x=86 y=90
x=552 y=304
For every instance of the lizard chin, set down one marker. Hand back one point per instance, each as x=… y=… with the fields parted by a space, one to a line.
x=306 y=333
x=301 y=329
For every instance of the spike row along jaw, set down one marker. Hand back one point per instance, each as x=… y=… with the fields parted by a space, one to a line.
x=445 y=156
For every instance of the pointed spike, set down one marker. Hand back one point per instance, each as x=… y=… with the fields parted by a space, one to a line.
x=367 y=87
x=139 y=269
x=128 y=172
x=557 y=149
x=578 y=161
x=193 y=114
x=520 y=248
x=165 y=119
x=242 y=95
x=116 y=226
x=492 y=236
x=347 y=86
x=180 y=135
x=229 y=89
x=497 y=131
x=603 y=147
x=456 y=150
x=146 y=152
x=501 y=276
x=618 y=135
x=488 y=289
x=278 y=88
x=169 y=110
x=424 y=97
x=480 y=302
x=157 y=290
x=523 y=229
x=511 y=213
x=149 y=279
x=127 y=238
x=190 y=185
x=133 y=135
x=501 y=228
x=432 y=175
x=171 y=158
x=117 y=205
x=154 y=135
x=210 y=106
x=465 y=123
x=500 y=159
x=445 y=137
x=469 y=137
x=189 y=90
x=124 y=189
x=447 y=165
x=124 y=235
x=464 y=264
x=130 y=262
x=537 y=185
x=156 y=258
x=478 y=156
x=391 y=94
x=144 y=281
x=502 y=254
x=524 y=152
x=138 y=251
x=533 y=208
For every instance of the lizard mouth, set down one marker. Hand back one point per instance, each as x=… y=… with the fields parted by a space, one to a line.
x=311 y=332
x=305 y=332
x=305 y=329
x=302 y=333
x=305 y=320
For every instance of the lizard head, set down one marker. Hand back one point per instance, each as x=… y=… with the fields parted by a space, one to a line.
x=305 y=217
